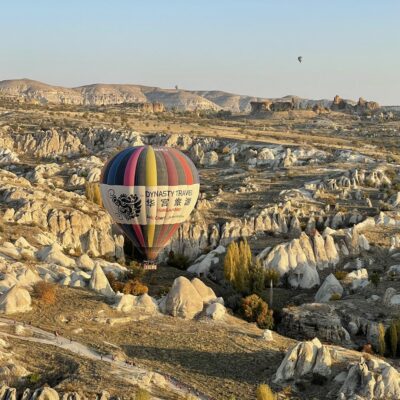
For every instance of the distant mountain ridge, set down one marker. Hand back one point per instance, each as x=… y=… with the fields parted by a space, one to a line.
x=108 y=94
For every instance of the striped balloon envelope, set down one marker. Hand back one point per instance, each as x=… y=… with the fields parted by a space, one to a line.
x=149 y=191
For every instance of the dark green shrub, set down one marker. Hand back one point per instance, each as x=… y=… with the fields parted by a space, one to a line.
x=179 y=261
x=374 y=278
x=381 y=340
x=257 y=278
x=34 y=377
x=393 y=338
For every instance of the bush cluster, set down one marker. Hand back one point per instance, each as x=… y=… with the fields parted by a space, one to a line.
x=255 y=309
x=127 y=286
x=45 y=292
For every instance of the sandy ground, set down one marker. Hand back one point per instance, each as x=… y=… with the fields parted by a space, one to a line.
x=218 y=359
x=131 y=374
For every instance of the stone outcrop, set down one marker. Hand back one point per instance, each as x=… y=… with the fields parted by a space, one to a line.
x=313 y=320
x=391 y=297
x=45 y=393
x=282 y=105
x=265 y=106
x=370 y=379
x=7 y=157
x=331 y=287
x=205 y=292
x=361 y=107
x=202 y=264
x=99 y=282
x=216 y=311
x=300 y=257
x=305 y=358
x=394 y=200
x=183 y=300
x=358 y=279
x=260 y=106
x=15 y=300
x=54 y=255
x=81 y=230
x=338 y=104
x=128 y=303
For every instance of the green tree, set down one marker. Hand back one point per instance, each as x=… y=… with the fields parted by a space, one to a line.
x=237 y=263
x=393 y=334
x=374 y=278
x=242 y=278
x=257 y=277
x=230 y=263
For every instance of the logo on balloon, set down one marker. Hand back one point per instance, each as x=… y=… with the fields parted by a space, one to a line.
x=129 y=205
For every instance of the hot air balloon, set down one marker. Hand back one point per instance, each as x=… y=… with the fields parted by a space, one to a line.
x=149 y=191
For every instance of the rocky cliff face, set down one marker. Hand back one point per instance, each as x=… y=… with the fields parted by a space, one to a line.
x=362 y=106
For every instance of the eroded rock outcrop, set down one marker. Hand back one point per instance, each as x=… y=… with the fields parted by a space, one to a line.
x=15 y=300
x=99 y=282
x=331 y=288
x=305 y=358
x=370 y=379
x=313 y=320
x=183 y=300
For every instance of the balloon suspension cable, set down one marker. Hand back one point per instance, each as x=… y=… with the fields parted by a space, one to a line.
x=149 y=265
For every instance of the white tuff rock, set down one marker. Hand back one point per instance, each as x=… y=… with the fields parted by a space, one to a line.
x=205 y=292
x=216 y=311
x=183 y=300
x=372 y=379
x=99 y=282
x=329 y=287
x=303 y=358
x=15 y=300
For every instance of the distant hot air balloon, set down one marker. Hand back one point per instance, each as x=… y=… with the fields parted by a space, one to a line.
x=149 y=191
x=300 y=58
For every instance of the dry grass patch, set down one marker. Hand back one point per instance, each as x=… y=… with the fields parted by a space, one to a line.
x=45 y=292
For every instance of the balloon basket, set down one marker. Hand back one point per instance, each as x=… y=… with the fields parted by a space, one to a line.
x=149 y=266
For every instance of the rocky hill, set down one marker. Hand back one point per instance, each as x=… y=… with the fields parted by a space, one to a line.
x=109 y=94
x=39 y=92
x=103 y=94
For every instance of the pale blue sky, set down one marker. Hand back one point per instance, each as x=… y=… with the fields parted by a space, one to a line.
x=350 y=47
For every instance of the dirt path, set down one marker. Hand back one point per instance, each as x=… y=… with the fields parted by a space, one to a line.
x=130 y=373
